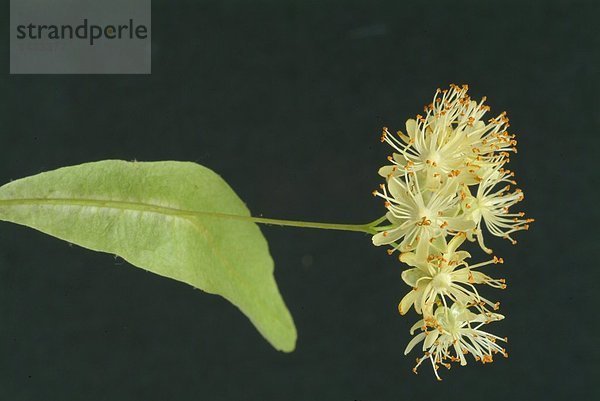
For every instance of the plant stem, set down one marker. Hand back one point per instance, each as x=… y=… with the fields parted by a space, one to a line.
x=365 y=228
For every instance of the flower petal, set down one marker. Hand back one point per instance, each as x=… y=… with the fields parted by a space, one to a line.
x=411 y=126
x=416 y=339
x=386 y=171
x=422 y=250
x=400 y=159
x=407 y=301
x=397 y=188
x=410 y=258
x=460 y=256
x=431 y=337
x=411 y=276
x=421 y=296
x=460 y=223
x=416 y=326
x=456 y=242
x=387 y=237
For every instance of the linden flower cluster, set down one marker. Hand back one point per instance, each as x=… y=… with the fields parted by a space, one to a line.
x=446 y=181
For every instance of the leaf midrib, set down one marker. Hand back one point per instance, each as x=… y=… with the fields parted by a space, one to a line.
x=117 y=204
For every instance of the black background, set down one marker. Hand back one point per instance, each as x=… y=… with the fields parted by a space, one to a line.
x=286 y=101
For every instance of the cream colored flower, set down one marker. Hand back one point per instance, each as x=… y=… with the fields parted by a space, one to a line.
x=417 y=215
x=442 y=274
x=453 y=333
x=490 y=204
x=451 y=140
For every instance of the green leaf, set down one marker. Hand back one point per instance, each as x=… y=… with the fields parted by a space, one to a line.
x=162 y=217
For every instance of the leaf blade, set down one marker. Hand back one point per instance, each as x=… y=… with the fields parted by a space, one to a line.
x=148 y=213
